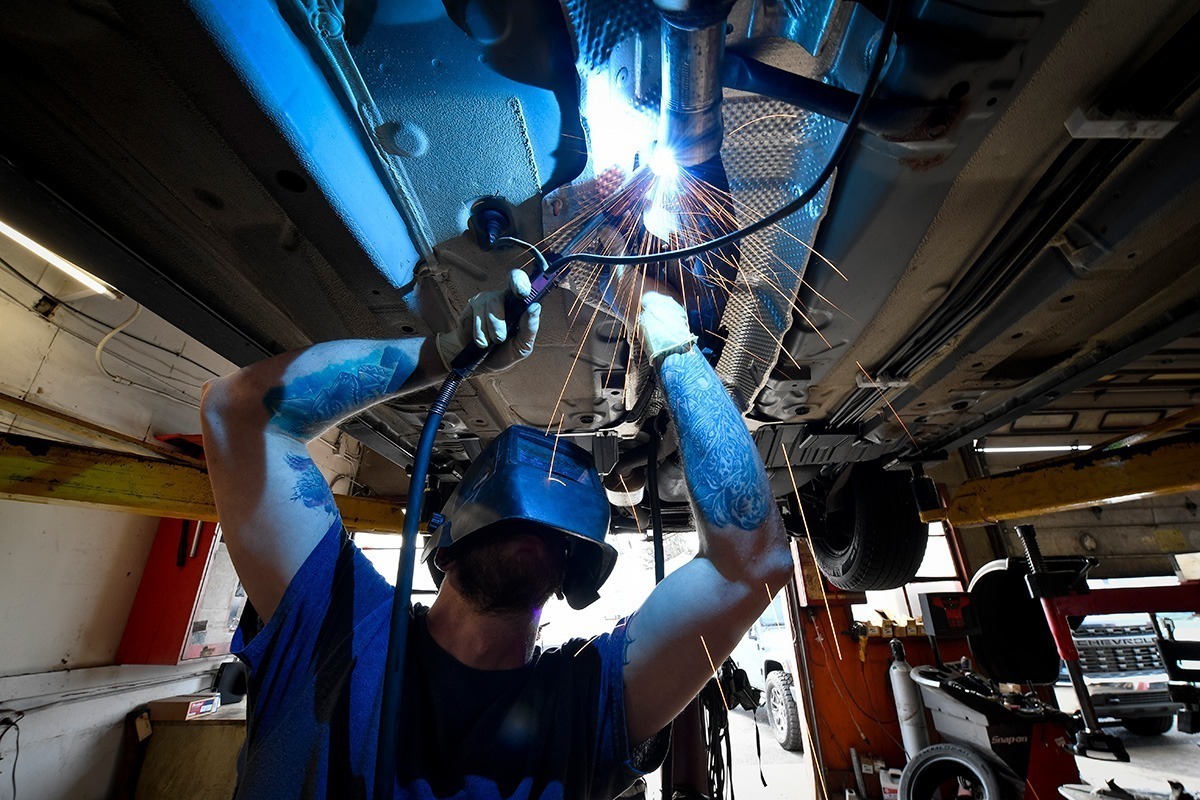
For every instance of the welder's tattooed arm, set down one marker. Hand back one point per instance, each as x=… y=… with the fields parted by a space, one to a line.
x=273 y=501
x=306 y=403
x=701 y=610
x=728 y=482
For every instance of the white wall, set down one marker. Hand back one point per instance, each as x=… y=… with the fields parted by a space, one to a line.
x=68 y=575
x=67 y=581
x=71 y=735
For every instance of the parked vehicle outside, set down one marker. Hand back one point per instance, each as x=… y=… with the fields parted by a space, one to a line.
x=766 y=653
x=1126 y=678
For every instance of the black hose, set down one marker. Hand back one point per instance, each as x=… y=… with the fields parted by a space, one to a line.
x=393 y=673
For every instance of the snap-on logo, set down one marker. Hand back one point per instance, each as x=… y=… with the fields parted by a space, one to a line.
x=1009 y=739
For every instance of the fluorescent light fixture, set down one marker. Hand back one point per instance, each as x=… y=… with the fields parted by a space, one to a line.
x=54 y=259
x=1044 y=448
x=1125 y=498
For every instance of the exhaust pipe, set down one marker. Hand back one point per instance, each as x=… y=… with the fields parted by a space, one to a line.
x=693 y=47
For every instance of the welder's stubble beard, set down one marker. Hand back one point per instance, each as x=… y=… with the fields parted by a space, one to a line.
x=497 y=578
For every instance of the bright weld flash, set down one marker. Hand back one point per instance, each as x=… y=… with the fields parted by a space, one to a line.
x=663 y=164
x=617 y=131
x=661 y=218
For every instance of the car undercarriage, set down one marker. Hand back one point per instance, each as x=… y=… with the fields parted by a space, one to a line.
x=1013 y=217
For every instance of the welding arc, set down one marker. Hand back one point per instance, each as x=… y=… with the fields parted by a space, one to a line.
x=843 y=146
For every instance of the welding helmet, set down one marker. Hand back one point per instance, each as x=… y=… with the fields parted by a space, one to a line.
x=526 y=476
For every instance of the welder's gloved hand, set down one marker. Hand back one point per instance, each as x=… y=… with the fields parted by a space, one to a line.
x=483 y=323
x=663 y=327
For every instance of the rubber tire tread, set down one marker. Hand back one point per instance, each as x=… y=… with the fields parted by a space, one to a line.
x=887 y=542
x=782 y=682
x=958 y=754
x=1149 y=726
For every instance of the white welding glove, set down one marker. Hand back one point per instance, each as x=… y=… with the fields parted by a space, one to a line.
x=663 y=326
x=483 y=322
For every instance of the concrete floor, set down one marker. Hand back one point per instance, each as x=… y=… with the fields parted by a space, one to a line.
x=780 y=767
x=1153 y=760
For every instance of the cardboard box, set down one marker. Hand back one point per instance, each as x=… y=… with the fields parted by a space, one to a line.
x=184 y=707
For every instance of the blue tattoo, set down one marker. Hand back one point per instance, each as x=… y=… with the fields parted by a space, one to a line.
x=725 y=474
x=310 y=404
x=311 y=488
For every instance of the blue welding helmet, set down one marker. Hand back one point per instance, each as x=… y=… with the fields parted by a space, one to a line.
x=526 y=476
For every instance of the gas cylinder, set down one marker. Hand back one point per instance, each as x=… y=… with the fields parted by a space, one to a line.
x=909 y=708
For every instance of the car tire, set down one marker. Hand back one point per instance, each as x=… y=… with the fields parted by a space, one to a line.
x=936 y=766
x=1149 y=726
x=782 y=714
x=873 y=537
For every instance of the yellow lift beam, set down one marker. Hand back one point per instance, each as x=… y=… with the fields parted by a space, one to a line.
x=1147 y=470
x=91 y=431
x=42 y=471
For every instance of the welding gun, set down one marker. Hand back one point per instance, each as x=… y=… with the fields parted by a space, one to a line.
x=540 y=282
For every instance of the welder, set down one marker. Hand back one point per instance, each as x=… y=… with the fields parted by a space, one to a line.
x=485 y=714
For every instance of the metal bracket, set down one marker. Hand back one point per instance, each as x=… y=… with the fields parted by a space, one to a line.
x=1093 y=124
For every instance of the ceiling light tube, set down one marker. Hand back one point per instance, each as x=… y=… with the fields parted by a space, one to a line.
x=54 y=259
x=1045 y=448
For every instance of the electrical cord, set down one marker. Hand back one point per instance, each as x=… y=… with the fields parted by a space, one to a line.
x=843 y=146
x=183 y=400
x=12 y=723
x=137 y=309
x=102 y=325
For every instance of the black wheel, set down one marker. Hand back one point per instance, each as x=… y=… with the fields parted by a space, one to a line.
x=946 y=772
x=1149 y=726
x=873 y=537
x=782 y=713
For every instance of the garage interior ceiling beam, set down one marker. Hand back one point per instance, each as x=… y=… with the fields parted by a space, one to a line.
x=91 y=432
x=33 y=209
x=42 y=471
x=1147 y=470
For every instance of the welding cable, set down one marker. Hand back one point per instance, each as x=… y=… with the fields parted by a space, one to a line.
x=843 y=146
x=393 y=672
